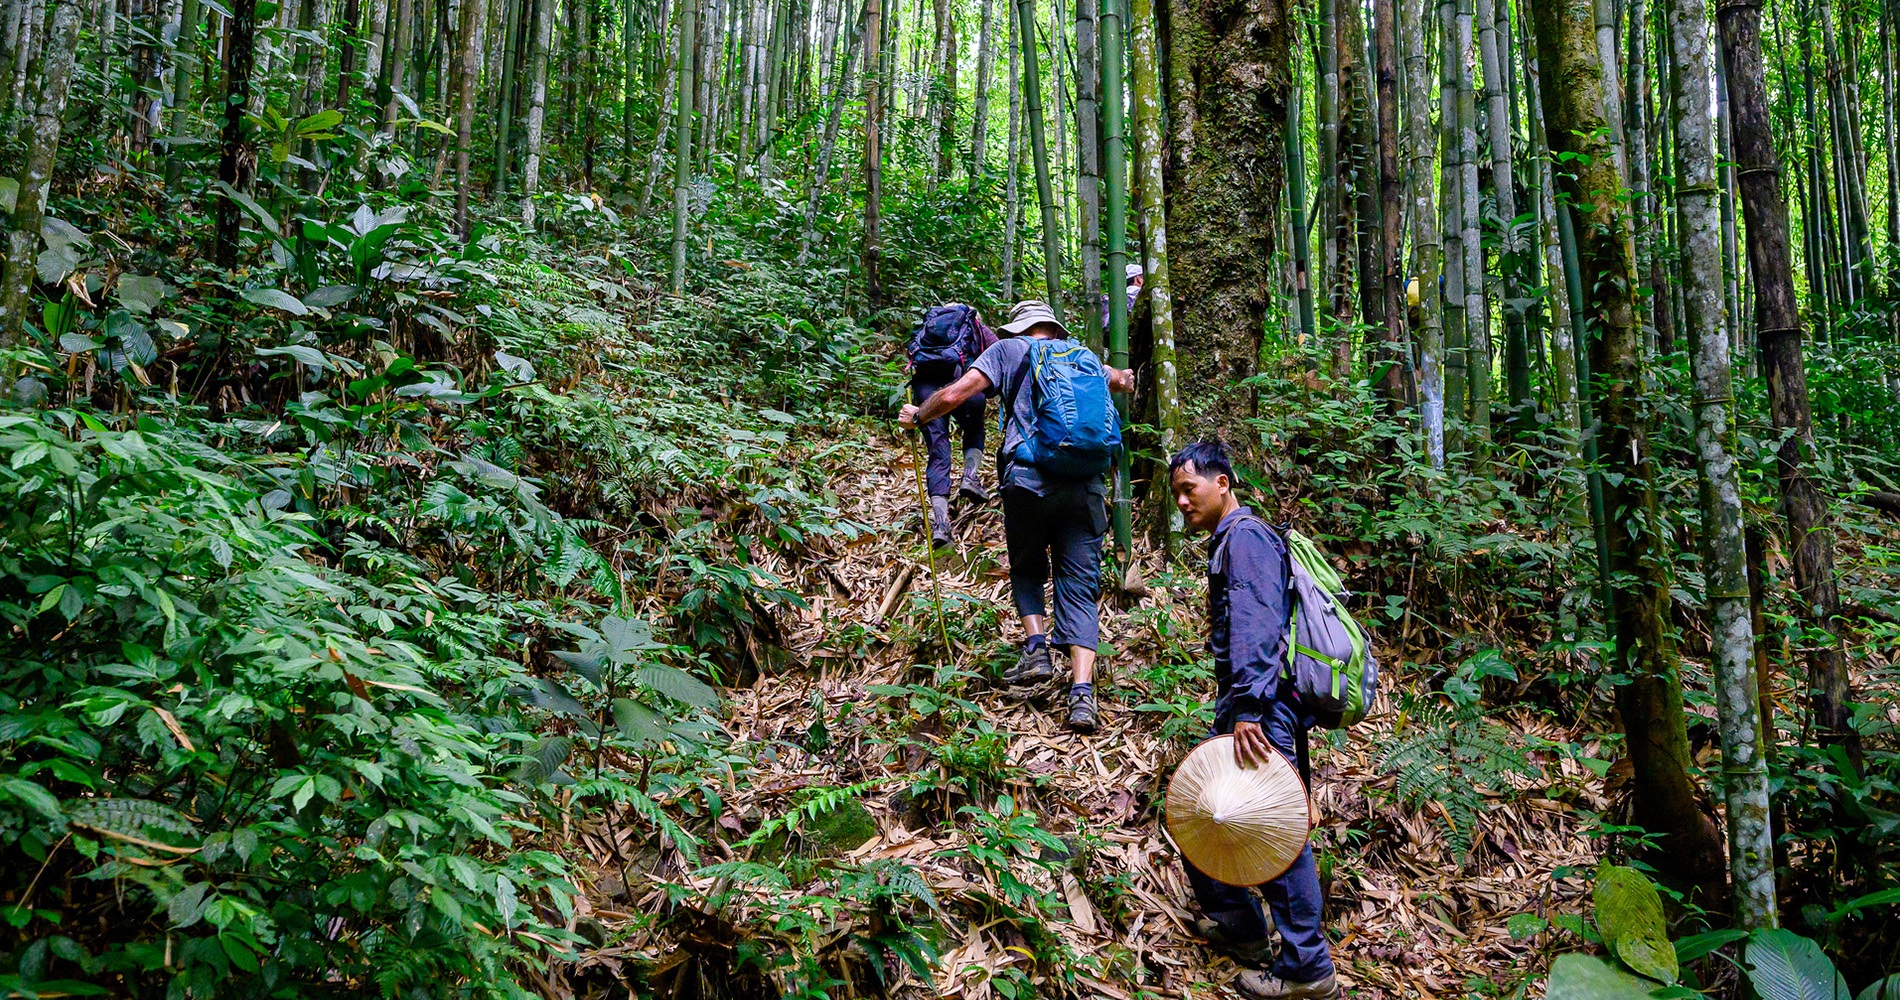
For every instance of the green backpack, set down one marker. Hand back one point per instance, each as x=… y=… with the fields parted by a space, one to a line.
x=1329 y=656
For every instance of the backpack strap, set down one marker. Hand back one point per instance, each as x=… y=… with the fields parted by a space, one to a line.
x=1220 y=551
x=1025 y=379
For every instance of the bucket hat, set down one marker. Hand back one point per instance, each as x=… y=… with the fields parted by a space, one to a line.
x=1028 y=313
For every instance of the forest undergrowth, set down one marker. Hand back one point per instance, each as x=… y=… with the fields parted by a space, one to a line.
x=512 y=628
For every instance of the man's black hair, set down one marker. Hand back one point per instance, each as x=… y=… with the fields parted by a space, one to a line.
x=1209 y=458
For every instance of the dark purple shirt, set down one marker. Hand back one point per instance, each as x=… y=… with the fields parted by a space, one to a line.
x=1248 y=583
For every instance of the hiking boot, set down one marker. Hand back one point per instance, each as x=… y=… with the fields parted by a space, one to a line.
x=1082 y=709
x=1261 y=986
x=1252 y=954
x=939 y=522
x=1032 y=668
x=972 y=488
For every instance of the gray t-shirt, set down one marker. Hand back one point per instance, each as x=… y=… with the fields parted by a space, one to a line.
x=1003 y=365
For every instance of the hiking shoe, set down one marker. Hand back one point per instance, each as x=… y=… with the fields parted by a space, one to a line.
x=1261 y=986
x=1252 y=954
x=1082 y=709
x=973 y=491
x=939 y=522
x=1032 y=668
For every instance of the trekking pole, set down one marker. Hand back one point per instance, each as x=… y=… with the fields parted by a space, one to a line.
x=930 y=548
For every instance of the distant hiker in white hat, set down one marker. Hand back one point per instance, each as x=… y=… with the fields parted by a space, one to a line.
x=1060 y=435
x=1132 y=276
x=1249 y=580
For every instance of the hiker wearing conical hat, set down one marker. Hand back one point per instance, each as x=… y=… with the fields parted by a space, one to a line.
x=1060 y=434
x=1249 y=579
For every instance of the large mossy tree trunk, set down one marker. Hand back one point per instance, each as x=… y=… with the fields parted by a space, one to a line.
x=1649 y=699
x=1778 y=332
x=1230 y=64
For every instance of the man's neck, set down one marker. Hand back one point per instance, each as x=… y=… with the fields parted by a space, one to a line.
x=1233 y=504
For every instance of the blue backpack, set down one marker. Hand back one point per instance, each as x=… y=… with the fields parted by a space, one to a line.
x=943 y=344
x=1077 y=432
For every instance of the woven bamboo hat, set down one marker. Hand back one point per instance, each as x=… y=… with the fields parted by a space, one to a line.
x=1240 y=825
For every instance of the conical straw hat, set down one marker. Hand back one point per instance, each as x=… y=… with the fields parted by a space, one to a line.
x=1240 y=825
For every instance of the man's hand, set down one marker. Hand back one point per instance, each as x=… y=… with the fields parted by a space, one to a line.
x=1121 y=379
x=1251 y=748
x=907 y=417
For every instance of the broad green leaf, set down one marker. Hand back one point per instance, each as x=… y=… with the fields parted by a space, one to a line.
x=31 y=794
x=330 y=296
x=58 y=232
x=142 y=293
x=250 y=205
x=548 y=693
x=677 y=684
x=584 y=665
x=1885 y=897
x=1588 y=977
x=56 y=262
x=186 y=907
x=1783 y=965
x=9 y=194
x=1885 y=989
x=624 y=638
x=505 y=901
x=276 y=298
x=1630 y=916
x=320 y=122
x=1695 y=946
x=1525 y=925
x=520 y=368
x=638 y=722
x=302 y=352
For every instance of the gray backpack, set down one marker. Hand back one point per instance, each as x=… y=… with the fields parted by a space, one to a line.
x=1329 y=655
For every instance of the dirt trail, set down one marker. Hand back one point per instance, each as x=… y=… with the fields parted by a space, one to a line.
x=1403 y=919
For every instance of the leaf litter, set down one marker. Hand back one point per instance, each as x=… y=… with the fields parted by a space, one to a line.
x=1405 y=919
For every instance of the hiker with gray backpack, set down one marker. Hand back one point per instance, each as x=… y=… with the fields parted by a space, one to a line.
x=1287 y=657
x=939 y=351
x=1061 y=434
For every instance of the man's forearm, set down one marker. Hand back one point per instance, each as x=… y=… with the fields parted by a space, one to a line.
x=951 y=396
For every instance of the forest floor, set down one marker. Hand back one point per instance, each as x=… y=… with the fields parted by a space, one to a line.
x=1406 y=917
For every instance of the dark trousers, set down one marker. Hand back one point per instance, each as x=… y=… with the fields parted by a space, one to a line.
x=1059 y=529
x=1294 y=897
x=969 y=418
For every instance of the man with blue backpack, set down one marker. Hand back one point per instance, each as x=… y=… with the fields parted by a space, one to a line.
x=939 y=351
x=1060 y=435
x=1287 y=657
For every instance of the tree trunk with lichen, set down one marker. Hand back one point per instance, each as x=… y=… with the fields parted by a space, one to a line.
x=52 y=74
x=1229 y=69
x=1725 y=560
x=1650 y=698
